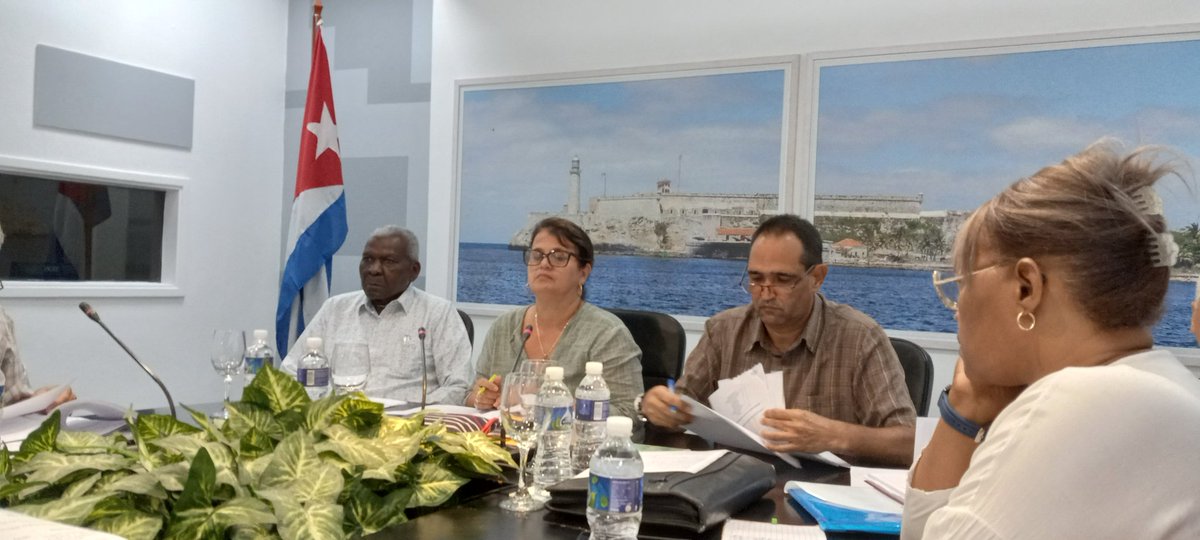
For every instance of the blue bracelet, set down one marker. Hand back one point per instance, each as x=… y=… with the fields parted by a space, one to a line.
x=956 y=421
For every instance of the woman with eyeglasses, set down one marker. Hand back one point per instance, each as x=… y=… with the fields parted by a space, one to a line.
x=1062 y=421
x=561 y=328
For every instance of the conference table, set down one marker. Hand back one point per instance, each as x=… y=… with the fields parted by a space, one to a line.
x=477 y=513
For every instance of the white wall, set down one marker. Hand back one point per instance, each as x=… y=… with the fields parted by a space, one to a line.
x=229 y=212
x=474 y=40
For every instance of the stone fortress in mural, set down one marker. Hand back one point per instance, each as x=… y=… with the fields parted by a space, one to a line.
x=875 y=230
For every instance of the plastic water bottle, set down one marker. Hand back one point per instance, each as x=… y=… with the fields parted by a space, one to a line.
x=313 y=370
x=591 y=415
x=259 y=353
x=554 y=404
x=614 y=504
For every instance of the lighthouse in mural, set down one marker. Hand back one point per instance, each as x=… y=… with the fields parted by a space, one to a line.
x=573 y=188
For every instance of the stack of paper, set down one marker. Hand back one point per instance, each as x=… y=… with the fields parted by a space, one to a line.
x=847 y=508
x=890 y=482
x=735 y=418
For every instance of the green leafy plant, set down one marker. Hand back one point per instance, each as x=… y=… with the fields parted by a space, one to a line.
x=282 y=465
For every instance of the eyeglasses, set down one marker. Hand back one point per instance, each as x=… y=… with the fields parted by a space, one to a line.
x=778 y=283
x=559 y=258
x=946 y=285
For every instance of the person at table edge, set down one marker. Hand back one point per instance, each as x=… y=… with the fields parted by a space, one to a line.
x=386 y=315
x=843 y=385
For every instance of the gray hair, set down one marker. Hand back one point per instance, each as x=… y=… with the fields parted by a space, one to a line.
x=410 y=239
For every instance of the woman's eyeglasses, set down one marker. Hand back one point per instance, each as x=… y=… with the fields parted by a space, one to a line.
x=946 y=285
x=558 y=258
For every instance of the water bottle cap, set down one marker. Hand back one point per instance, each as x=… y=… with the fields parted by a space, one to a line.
x=313 y=343
x=593 y=368
x=619 y=426
x=554 y=373
x=260 y=335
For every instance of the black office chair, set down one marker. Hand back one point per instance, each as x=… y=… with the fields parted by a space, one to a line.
x=918 y=372
x=470 y=326
x=662 y=341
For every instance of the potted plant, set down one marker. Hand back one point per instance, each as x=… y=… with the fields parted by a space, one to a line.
x=282 y=465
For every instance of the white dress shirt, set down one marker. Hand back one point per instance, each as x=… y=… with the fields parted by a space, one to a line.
x=391 y=337
x=1086 y=452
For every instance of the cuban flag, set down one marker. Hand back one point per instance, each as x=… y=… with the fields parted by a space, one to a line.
x=318 y=222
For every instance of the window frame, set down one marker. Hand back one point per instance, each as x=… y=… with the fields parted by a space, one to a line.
x=171 y=186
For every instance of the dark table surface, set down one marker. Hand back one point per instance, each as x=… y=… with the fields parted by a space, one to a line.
x=477 y=514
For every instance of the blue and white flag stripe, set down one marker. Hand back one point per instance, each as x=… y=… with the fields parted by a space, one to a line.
x=318 y=228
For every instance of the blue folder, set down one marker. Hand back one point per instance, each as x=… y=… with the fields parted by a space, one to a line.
x=837 y=518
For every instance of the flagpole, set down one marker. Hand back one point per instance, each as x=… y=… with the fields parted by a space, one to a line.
x=317 y=8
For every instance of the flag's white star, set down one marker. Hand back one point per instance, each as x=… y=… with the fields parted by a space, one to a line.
x=326 y=132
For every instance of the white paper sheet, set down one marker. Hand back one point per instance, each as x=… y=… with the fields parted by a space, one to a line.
x=890 y=482
x=690 y=461
x=737 y=529
x=32 y=404
x=17 y=526
x=711 y=425
x=862 y=498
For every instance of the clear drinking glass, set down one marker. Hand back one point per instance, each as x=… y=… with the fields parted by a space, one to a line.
x=226 y=356
x=351 y=365
x=518 y=400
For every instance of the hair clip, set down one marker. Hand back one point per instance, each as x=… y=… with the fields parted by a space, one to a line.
x=1148 y=202
x=1163 y=249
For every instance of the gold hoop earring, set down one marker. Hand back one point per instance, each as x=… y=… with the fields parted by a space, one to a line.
x=1032 y=321
x=581 y=290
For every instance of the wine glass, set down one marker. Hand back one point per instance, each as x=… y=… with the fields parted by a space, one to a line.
x=226 y=356
x=518 y=400
x=351 y=367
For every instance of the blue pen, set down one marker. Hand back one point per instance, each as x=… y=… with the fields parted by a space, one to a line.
x=671 y=387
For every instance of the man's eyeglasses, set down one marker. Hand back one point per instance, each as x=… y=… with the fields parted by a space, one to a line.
x=946 y=285
x=559 y=258
x=778 y=283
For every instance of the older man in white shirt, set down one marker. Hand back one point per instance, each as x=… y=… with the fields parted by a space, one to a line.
x=387 y=315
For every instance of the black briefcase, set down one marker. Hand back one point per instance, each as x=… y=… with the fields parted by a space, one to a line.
x=684 y=500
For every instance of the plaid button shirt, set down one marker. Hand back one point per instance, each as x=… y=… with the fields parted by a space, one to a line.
x=843 y=367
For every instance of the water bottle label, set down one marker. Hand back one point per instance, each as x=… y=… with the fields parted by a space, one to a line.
x=560 y=418
x=615 y=494
x=595 y=410
x=253 y=364
x=313 y=376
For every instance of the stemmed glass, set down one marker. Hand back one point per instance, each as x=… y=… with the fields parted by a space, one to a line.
x=518 y=400
x=351 y=367
x=227 y=349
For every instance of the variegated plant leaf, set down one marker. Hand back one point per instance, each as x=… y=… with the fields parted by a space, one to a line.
x=52 y=467
x=83 y=442
x=200 y=486
x=244 y=416
x=201 y=419
x=359 y=414
x=80 y=487
x=353 y=449
x=309 y=522
x=151 y=427
x=370 y=513
x=433 y=485
x=133 y=525
x=294 y=457
x=321 y=483
x=173 y=476
x=319 y=414
x=198 y=523
x=275 y=391
x=479 y=444
x=142 y=483
x=403 y=427
x=41 y=439
x=71 y=510
x=255 y=443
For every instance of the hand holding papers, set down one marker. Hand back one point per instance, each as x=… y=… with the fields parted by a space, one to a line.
x=735 y=418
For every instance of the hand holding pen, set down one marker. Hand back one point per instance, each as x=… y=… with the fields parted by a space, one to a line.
x=663 y=407
x=485 y=393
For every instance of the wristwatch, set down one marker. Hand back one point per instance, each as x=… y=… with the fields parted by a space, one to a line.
x=957 y=421
x=637 y=404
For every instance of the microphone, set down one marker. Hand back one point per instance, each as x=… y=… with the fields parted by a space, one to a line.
x=91 y=314
x=525 y=333
x=424 y=370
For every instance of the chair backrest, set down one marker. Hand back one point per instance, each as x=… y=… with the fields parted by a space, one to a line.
x=470 y=326
x=918 y=372
x=662 y=341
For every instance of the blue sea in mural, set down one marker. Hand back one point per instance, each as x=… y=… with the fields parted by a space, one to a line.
x=898 y=299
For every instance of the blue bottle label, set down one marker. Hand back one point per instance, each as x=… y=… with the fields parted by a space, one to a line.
x=614 y=494
x=313 y=376
x=253 y=364
x=595 y=410
x=560 y=418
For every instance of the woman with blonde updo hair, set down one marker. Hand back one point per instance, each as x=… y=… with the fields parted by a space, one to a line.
x=1062 y=421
